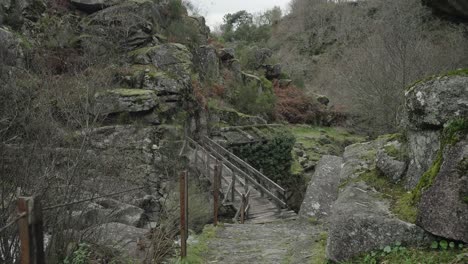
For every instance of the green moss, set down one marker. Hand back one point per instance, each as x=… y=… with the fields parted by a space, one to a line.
x=266 y=84
x=319 y=250
x=401 y=200
x=141 y=51
x=196 y=251
x=450 y=136
x=131 y=92
x=296 y=168
x=459 y=72
x=392 y=137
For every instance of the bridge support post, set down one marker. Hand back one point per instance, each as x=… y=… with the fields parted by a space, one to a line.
x=216 y=193
x=233 y=188
x=183 y=182
x=242 y=209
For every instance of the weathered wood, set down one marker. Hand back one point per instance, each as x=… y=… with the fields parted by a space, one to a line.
x=233 y=186
x=242 y=210
x=24 y=232
x=37 y=232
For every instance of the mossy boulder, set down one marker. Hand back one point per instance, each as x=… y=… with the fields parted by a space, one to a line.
x=431 y=104
x=362 y=221
x=125 y=100
x=443 y=209
x=207 y=63
x=391 y=160
x=173 y=58
x=131 y=24
x=149 y=77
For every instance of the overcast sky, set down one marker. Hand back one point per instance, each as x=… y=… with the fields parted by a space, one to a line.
x=214 y=10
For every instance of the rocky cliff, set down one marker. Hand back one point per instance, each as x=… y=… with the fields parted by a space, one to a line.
x=408 y=188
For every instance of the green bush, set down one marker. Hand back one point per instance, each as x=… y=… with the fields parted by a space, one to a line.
x=247 y=99
x=175 y=9
x=272 y=157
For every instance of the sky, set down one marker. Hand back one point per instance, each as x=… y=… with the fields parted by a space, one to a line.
x=214 y=10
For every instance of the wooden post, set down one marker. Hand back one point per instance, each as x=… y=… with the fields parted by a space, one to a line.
x=242 y=210
x=31 y=231
x=183 y=214
x=233 y=188
x=215 y=194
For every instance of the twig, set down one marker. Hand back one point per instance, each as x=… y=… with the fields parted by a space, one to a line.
x=13 y=221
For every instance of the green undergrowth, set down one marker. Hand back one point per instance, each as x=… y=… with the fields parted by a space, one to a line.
x=319 y=250
x=311 y=138
x=401 y=200
x=459 y=72
x=195 y=251
x=403 y=255
x=450 y=136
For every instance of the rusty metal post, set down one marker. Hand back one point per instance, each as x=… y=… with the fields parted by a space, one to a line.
x=183 y=214
x=31 y=231
x=216 y=194
x=24 y=234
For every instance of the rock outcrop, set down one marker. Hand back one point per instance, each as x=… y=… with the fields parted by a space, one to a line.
x=431 y=104
x=126 y=100
x=443 y=209
x=323 y=188
x=391 y=161
x=361 y=221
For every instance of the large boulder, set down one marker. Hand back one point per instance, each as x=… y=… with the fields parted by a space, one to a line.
x=130 y=243
x=431 y=104
x=108 y=210
x=391 y=160
x=323 y=188
x=443 y=209
x=208 y=63
x=358 y=158
x=422 y=150
x=125 y=100
x=131 y=24
x=91 y=6
x=361 y=221
x=148 y=77
x=173 y=58
x=227 y=54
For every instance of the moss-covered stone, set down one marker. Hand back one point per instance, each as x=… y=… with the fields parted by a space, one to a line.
x=459 y=72
x=450 y=136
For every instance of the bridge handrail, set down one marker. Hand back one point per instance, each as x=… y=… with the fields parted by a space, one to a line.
x=209 y=149
x=241 y=162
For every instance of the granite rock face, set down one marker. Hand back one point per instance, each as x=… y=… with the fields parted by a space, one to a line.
x=323 y=188
x=361 y=221
x=443 y=209
x=390 y=160
x=126 y=100
x=431 y=104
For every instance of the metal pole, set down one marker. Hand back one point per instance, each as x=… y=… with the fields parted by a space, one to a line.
x=215 y=194
x=24 y=235
x=183 y=224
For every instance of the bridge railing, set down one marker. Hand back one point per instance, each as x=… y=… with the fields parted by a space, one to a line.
x=259 y=177
x=242 y=173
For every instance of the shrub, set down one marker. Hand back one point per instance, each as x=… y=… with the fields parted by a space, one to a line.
x=294 y=106
x=273 y=157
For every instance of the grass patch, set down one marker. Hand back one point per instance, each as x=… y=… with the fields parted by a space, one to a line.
x=196 y=251
x=318 y=250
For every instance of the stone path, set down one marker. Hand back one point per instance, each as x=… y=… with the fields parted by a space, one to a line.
x=290 y=241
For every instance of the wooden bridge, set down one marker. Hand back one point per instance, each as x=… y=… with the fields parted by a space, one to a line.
x=254 y=196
